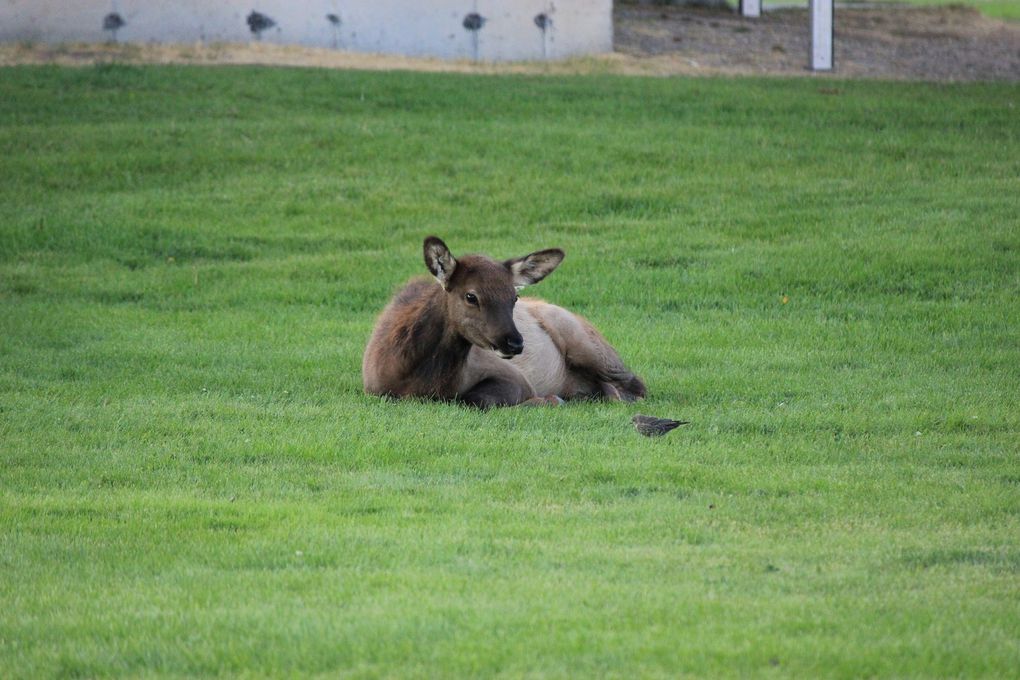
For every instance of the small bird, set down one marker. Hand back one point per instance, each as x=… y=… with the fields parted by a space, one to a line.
x=650 y=426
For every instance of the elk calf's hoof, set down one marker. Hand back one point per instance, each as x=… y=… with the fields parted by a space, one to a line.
x=548 y=400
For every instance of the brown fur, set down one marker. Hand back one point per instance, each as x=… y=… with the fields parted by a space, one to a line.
x=432 y=342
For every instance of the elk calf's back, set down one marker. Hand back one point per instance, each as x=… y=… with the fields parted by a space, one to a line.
x=471 y=339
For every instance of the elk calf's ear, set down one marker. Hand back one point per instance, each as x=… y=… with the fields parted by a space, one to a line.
x=439 y=260
x=535 y=267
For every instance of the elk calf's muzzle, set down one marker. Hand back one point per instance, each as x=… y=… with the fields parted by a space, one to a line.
x=512 y=345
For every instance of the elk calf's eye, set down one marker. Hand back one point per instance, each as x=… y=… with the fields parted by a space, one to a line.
x=472 y=300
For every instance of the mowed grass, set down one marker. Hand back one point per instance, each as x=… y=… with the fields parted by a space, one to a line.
x=822 y=277
x=999 y=9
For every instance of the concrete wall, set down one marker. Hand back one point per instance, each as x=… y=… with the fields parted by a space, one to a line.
x=408 y=27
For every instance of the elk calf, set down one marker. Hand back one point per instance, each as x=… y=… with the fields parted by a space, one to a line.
x=471 y=339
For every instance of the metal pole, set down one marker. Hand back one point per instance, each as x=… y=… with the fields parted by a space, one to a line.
x=821 y=35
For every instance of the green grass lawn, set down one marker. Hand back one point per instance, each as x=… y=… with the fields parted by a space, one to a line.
x=193 y=484
x=999 y=9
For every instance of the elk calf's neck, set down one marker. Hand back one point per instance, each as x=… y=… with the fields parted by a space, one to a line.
x=471 y=339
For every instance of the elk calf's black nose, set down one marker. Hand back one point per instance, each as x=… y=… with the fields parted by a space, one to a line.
x=515 y=345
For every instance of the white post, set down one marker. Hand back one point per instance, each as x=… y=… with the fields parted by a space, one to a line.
x=821 y=35
x=750 y=8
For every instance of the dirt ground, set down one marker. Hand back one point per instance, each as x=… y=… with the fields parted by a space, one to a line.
x=895 y=42
x=940 y=43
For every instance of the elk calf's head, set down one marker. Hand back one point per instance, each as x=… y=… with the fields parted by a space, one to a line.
x=481 y=292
